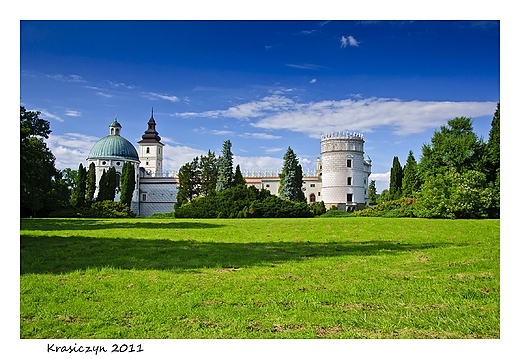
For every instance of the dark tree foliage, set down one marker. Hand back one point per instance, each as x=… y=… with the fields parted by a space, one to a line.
x=238 y=179
x=411 y=183
x=493 y=148
x=91 y=184
x=80 y=186
x=225 y=167
x=107 y=185
x=455 y=146
x=127 y=183
x=396 y=179
x=208 y=173
x=189 y=182
x=372 y=192
x=291 y=178
x=38 y=174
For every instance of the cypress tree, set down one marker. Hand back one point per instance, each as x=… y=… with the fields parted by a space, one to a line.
x=107 y=185
x=493 y=146
x=411 y=183
x=238 y=179
x=127 y=183
x=78 y=192
x=372 y=193
x=208 y=173
x=396 y=179
x=90 y=184
x=225 y=167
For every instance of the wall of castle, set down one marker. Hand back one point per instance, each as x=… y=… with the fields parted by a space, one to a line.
x=156 y=195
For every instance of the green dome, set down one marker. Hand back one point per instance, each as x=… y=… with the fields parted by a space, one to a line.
x=113 y=147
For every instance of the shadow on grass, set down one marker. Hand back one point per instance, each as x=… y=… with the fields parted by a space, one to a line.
x=66 y=254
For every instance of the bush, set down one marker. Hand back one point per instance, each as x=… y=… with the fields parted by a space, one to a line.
x=109 y=209
x=392 y=209
x=336 y=213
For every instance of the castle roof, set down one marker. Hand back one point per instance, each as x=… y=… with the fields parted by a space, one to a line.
x=151 y=135
x=113 y=146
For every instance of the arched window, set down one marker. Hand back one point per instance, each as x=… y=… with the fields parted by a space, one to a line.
x=312 y=198
x=147 y=149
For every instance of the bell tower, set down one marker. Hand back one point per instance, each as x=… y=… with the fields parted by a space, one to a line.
x=151 y=150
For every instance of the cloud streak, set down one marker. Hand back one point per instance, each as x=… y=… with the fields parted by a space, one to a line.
x=348 y=41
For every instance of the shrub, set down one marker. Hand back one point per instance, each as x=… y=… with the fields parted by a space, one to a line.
x=336 y=213
x=109 y=209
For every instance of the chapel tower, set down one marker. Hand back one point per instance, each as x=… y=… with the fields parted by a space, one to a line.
x=345 y=171
x=151 y=150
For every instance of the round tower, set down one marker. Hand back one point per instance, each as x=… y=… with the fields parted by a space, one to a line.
x=151 y=150
x=345 y=171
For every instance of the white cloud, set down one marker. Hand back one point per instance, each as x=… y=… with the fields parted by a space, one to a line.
x=382 y=181
x=104 y=94
x=348 y=41
x=153 y=95
x=258 y=163
x=260 y=136
x=70 y=149
x=313 y=81
x=67 y=78
x=72 y=113
x=47 y=115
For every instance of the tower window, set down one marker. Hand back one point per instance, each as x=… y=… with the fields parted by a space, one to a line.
x=349 y=163
x=349 y=197
x=349 y=181
x=147 y=149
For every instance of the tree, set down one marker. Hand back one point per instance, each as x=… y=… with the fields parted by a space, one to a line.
x=127 y=183
x=493 y=147
x=372 y=193
x=455 y=146
x=225 y=167
x=37 y=164
x=80 y=186
x=411 y=183
x=189 y=182
x=238 y=178
x=396 y=179
x=291 y=178
x=107 y=185
x=208 y=173
x=91 y=184
x=385 y=196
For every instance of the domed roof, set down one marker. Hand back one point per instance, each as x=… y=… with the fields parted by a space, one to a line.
x=113 y=146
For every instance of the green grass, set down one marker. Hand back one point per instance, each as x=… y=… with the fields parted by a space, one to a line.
x=260 y=278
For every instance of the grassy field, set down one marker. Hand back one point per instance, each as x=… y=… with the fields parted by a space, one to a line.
x=260 y=278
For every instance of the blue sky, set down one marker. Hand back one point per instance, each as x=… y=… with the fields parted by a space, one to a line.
x=264 y=85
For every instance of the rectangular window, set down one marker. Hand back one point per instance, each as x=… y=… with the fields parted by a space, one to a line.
x=349 y=181
x=313 y=185
x=349 y=197
x=349 y=163
x=144 y=197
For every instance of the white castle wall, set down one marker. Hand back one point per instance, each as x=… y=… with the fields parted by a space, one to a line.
x=156 y=195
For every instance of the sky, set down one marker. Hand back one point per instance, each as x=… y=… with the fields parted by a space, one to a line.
x=265 y=85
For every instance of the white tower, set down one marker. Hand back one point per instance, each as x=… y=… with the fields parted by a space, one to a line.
x=345 y=171
x=151 y=150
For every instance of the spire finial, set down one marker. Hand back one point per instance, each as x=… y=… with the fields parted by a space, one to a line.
x=152 y=112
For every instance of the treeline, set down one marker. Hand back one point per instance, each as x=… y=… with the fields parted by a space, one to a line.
x=458 y=176
x=48 y=192
x=209 y=188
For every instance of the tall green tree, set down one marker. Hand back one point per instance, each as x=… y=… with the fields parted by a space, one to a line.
x=291 y=178
x=37 y=164
x=91 y=184
x=455 y=146
x=189 y=182
x=107 y=185
x=372 y=192
x=225 y=167
x=208 y=173
x=493 y=147
x=238 y=178
x=80 y=187
x=127 y=183
x=411 y=183
x=396 y=179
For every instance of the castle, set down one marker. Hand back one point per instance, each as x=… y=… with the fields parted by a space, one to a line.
x=339 y=179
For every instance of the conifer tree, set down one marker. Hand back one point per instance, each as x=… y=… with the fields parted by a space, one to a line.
x=127 y=183
x=238 y=178
x=78 y=192
x=189 y=182
x=225 y=167
x=493 y=146
x=291 y=178
x=107 y=185
x=91 y=184
x=208 y=173
x=372 y=193
x=411 y=183
x=396 y=179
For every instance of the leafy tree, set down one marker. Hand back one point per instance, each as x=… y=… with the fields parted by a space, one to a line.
x=37 y=164
x=225 y=167
x=208 y=173
x=455 y=146
x=411 y=183
x=238 y=179
x=291 y=178
x=91 y=184
x=385 y=196
x=189 y=182
x=80 y=186
x=127 y=183
x=372 y=193
x=396 y=179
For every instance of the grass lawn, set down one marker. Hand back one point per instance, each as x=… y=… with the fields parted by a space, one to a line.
x=260 y=278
